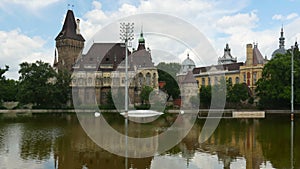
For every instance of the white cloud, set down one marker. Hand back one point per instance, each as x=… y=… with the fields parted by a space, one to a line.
x=212 y=17
x=277 y=17
x=16 y=48
x=285 y=18
x=234 y=23
x=32 y=4
x=201 y=14
x=292 y=16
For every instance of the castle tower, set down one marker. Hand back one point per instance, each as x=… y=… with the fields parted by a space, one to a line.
x=249 y=55
x=69 y=43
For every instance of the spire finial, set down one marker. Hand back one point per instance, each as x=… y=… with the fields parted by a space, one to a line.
x=141 y=39
x=188 y=55
x=281 y=39
x=142 y=30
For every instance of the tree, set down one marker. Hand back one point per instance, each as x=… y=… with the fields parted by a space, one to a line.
x=145 y=93
x=205 y=96
x=274 y=88
x=2 y=71
x=41 y=85
x=234 y=93
x=62 y=89
x=237 y=93
x=171 y=68
x=167 y=73
x=2 y=81
x=8 y=87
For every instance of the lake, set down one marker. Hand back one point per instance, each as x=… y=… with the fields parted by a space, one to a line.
x=57 y=141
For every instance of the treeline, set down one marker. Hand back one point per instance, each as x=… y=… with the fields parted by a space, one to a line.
x=237 y=96
x=39 y=84
x=274 y=88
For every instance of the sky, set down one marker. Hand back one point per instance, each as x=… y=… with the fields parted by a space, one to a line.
x=28 y=27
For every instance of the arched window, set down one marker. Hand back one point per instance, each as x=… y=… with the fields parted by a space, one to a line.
x=203 y=81
x=154 y=79
x=237 y=80
x=148 y=79
x=230 y=80
x=141 y=79
x=254 y=78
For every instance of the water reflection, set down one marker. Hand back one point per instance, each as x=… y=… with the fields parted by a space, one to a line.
x=58 y=141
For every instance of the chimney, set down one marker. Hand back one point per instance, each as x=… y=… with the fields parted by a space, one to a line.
x=77 y=26
x=249 y=50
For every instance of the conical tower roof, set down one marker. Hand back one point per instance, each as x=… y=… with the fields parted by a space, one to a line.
x=69 y=28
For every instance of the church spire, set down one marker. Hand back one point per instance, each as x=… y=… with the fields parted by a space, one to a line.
x=281 y=39
x=141 y=45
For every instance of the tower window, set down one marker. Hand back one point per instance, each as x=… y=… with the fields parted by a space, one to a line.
x=107 y=59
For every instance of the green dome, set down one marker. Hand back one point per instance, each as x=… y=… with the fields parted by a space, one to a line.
x=141 y=39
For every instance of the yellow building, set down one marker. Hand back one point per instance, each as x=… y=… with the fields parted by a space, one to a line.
x=236 y=72
x=251 y=71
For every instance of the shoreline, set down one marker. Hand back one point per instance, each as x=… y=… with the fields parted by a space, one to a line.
x=201 y=111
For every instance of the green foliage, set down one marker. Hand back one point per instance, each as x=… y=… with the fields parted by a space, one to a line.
x=171 y=68
x=8 y=87
x=145 y=93
x=237 y=93
x=2 y=71
x=274 y=88
x=41 y=85
x=234 y=93
x=205 y=96
x=167 y=73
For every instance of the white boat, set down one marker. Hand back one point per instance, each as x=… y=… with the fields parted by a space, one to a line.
x=142 y=113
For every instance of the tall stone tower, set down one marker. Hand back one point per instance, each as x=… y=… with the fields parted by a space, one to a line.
x=69 y=43
x=249 y=53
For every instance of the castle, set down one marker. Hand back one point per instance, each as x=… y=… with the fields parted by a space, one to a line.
x=98 y=72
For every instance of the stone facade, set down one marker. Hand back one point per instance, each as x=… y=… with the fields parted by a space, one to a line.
x=236 y=72
x=69 y=44
x=101 y=70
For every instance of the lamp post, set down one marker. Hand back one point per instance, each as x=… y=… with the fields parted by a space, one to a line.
x=292 y=84
x=126 y=35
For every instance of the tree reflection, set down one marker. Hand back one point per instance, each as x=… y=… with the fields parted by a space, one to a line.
x=257 y=141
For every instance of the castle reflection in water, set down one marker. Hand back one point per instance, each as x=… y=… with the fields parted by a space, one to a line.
x=59 y=141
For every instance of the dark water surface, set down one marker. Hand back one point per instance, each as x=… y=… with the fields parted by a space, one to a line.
x=43 y=141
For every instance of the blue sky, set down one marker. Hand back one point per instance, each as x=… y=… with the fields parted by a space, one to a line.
x=28 y=27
